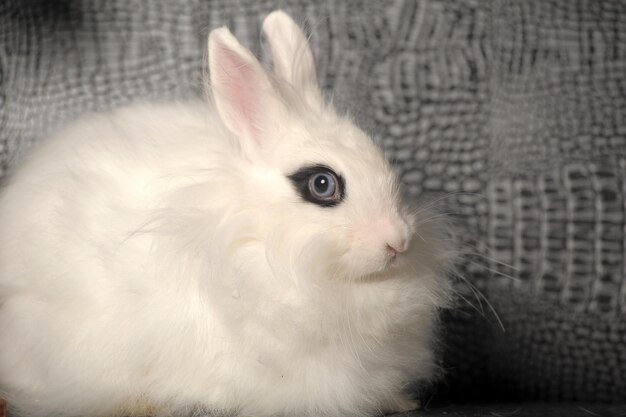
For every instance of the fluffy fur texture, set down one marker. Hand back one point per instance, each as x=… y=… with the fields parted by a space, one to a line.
x=158 y=258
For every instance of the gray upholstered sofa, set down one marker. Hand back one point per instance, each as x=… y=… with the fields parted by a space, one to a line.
x=511 y=114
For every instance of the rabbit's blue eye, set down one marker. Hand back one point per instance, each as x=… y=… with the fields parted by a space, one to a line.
x=319 y=184
x=323 y=185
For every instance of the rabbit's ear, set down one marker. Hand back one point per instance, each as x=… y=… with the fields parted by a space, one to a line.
x=243 y=93
x=292 y=56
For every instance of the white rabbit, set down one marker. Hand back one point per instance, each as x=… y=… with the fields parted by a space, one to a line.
x=251 y=256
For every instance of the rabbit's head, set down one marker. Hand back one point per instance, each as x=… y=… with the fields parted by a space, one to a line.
x=325 y=200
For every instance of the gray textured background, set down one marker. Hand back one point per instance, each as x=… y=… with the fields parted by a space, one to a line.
x=512 y=113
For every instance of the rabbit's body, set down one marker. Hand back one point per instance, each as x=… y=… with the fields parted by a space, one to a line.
x=152 y=256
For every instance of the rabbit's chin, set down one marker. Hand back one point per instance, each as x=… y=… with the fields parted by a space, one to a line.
x=330 y=258
x=352 y=266
x=370 y=259
x=359 y=266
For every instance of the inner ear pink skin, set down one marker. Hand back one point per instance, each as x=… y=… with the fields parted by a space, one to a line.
x=235 y=79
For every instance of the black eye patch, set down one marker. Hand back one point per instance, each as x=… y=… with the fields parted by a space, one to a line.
x=319 y=184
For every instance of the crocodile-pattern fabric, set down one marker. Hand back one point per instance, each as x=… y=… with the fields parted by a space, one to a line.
x=511 y=115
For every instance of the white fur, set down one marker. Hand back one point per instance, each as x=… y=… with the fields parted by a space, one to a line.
x=159 y=254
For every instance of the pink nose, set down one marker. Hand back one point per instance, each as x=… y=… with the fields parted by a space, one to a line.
x=396 y=247
x=394 y=232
